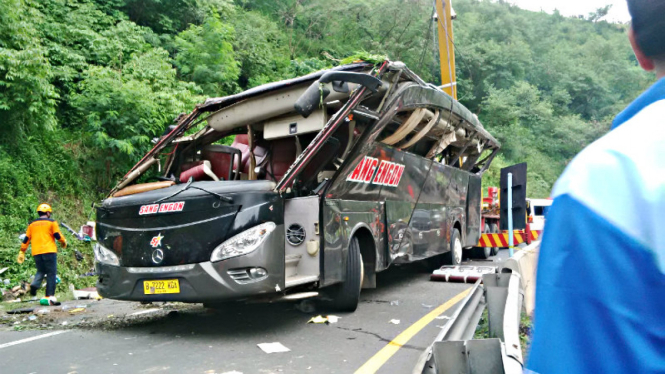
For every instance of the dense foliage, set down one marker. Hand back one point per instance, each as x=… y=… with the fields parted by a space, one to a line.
x=86 y=84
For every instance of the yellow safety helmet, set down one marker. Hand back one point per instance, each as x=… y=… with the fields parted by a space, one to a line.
x=44 y=208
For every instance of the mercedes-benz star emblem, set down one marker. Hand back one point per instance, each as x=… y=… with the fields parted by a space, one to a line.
x=157 y=256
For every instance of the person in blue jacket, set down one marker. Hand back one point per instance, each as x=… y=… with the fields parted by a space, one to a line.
x=600 y=288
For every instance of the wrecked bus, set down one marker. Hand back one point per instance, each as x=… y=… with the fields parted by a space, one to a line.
x=331 y=178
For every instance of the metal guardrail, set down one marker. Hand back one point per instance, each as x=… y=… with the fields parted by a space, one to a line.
x=525 y=262
x=454 y=350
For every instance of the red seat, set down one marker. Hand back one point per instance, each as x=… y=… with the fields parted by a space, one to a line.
x=188 y=165
x=241 y=142
x=197 y=172
x=220 y=160
x=282 y=155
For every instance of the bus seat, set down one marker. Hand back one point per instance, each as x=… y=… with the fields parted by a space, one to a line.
x=220 y=157
x=188 y=165
x=260 y=153
x=282 y=155
x=241 y=142
x=198 y=173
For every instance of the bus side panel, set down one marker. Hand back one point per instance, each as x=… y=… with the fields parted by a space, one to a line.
x=344 y=188
x=401 y=201
x=341 y=219
x=436 y=194
x=344 y=192
x=334 y=243
x=473 y=211
x=457 y=193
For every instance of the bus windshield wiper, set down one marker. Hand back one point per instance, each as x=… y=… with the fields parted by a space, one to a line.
x=188 y=186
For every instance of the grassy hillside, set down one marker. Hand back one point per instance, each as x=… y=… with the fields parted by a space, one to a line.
x=85 y=84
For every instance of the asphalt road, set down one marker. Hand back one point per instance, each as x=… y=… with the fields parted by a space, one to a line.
x=196 y=340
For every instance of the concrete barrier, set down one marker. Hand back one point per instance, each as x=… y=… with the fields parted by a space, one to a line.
x=525 y=262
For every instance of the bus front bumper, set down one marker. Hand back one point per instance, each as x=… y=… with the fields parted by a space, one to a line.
x=229 y=279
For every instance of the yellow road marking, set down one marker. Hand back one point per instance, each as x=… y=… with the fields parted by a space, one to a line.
x=380 y=358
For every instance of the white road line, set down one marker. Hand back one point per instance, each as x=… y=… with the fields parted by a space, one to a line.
x=145 y=312
x=33 y=338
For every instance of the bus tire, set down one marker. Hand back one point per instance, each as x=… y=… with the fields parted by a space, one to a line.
x=347 y=294
x=454 y=256
x=494 y=230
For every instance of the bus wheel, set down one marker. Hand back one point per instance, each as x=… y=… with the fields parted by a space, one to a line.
x=348 y=293
x=494 y=230
x=455 y=253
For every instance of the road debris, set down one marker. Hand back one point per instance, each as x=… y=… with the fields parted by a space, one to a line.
x=318 y=319
x=46 y=301
x=394 y=302
x=274 y=347
x=32 y=317
x=427 y=306
x=21 y=311
x=442 y=317
x=13 y=293
x=86 y=293
x=327 y=319
x=461 y=274
x=145 y=312
x=395 y=321
x=76 y=310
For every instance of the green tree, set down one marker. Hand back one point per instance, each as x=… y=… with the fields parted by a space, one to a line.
x=125 y=109
x=205 y=55
x=27 y=97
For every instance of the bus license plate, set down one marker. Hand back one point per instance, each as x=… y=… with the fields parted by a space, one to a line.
x=156 y=287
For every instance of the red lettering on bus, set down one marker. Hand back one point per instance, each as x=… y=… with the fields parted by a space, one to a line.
x=369 y=173
x=381 y=173
x=354 y=176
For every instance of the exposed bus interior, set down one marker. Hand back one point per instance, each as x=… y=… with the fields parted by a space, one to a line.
x=269 y=135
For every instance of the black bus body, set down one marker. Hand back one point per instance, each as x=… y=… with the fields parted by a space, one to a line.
x=331 y=178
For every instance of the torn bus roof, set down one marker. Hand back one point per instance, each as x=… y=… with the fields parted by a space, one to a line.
x=216 y=103
x=267 y=111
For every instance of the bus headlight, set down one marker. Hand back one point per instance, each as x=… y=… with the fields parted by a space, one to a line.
x=105 y=256
x=243 y=243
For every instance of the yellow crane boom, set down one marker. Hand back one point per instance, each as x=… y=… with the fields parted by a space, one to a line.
x=446 y=48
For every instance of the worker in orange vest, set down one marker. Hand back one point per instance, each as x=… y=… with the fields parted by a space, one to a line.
x=42 y=234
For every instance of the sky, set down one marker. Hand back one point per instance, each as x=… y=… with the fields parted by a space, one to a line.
x=618 y=12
